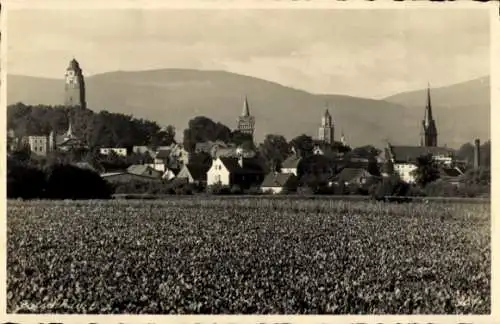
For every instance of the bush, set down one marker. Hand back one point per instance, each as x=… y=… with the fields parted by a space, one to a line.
x=24 y=181
x=218 y=189
x=236 y=190
x=305 y=190
x=70 y=182
x=254 y=190
x=390 y=186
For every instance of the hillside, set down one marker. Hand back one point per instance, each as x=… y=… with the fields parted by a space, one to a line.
x=174 y=96
x=461 y=110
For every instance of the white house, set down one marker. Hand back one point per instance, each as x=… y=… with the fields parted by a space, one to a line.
x=220 y=172
x=235 y=171
x=404 y=158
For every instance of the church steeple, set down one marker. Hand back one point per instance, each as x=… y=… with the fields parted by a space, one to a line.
x=246 y=111
x=246 y=122
x=429 y=130
x=326 y=130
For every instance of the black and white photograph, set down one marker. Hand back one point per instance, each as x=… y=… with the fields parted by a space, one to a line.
x=258 y=161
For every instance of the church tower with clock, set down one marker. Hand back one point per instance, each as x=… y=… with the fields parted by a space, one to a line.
x=74 y=88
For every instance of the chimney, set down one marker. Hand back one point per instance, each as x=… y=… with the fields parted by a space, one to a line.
x=476 y=153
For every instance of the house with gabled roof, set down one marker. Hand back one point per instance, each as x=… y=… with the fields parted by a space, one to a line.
x=291 y=164
x=194 y=173
x=354 y=176
x=276 y=182
x=230 y=171
x=404 y=158
x=144 y=171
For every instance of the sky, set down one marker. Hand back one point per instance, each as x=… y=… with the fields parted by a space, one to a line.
x=365 y=53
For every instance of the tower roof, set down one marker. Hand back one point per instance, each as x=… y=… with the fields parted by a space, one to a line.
x=428 y=107
x=74 y=65
x=246 y=110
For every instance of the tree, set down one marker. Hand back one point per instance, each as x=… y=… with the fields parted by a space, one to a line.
x=24 y=180
x=242 y=139
x=466 y=152
x=274 y=149
x=427 y=171
x=202 y=129
x=101 y=129
x=69 y=182
x=367 y=152
x=303 y=144
x=485 y=154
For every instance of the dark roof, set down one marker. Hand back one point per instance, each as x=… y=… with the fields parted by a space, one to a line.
x=411 y=153
x=144 y=170
x=450 y=172
x=348 y=174
x=291 y=162
x=162 y=154
x=198 y=171
x=251 y=165
x=277 y=179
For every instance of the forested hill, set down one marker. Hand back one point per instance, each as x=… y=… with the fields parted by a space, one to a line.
x=174 y=96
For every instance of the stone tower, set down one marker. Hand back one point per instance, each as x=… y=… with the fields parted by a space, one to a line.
x=429 y=130
x=326 y=130
x=74 y=87
x=246 y=122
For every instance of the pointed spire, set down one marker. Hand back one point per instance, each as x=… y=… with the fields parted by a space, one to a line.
x=342 y=137
x=246 y=110
x=428 y=108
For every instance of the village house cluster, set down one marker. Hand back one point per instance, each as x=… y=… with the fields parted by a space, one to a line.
x=232 y=165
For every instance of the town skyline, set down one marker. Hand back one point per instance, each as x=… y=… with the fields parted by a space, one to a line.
x=330 y=51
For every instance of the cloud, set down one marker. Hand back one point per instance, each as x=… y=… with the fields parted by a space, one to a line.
x=359 y=52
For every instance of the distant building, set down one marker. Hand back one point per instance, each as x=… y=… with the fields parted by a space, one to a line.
x=404 y=158
x=39 y=145
x=326 y=130
x=120 y=151
x=194 y=173
x=233 y=152
x=74 y=88
x=354 y=177
x=246 y=122
x=144 y=171
x=179 y=154
x=291 y=164
x=126 y=177
x=278 y=182
x=429 y=130
x=67 y=141
x=235 y=171
x=142 y=149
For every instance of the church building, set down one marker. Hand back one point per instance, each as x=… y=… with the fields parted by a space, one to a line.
x=429 y=130
x=326 y=130
x=246 y=122
x=74 y=87
x=404 y=158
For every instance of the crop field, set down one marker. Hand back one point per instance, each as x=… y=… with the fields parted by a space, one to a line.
x=248 y=256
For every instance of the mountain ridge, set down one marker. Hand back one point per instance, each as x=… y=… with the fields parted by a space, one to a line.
x=173 y=96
